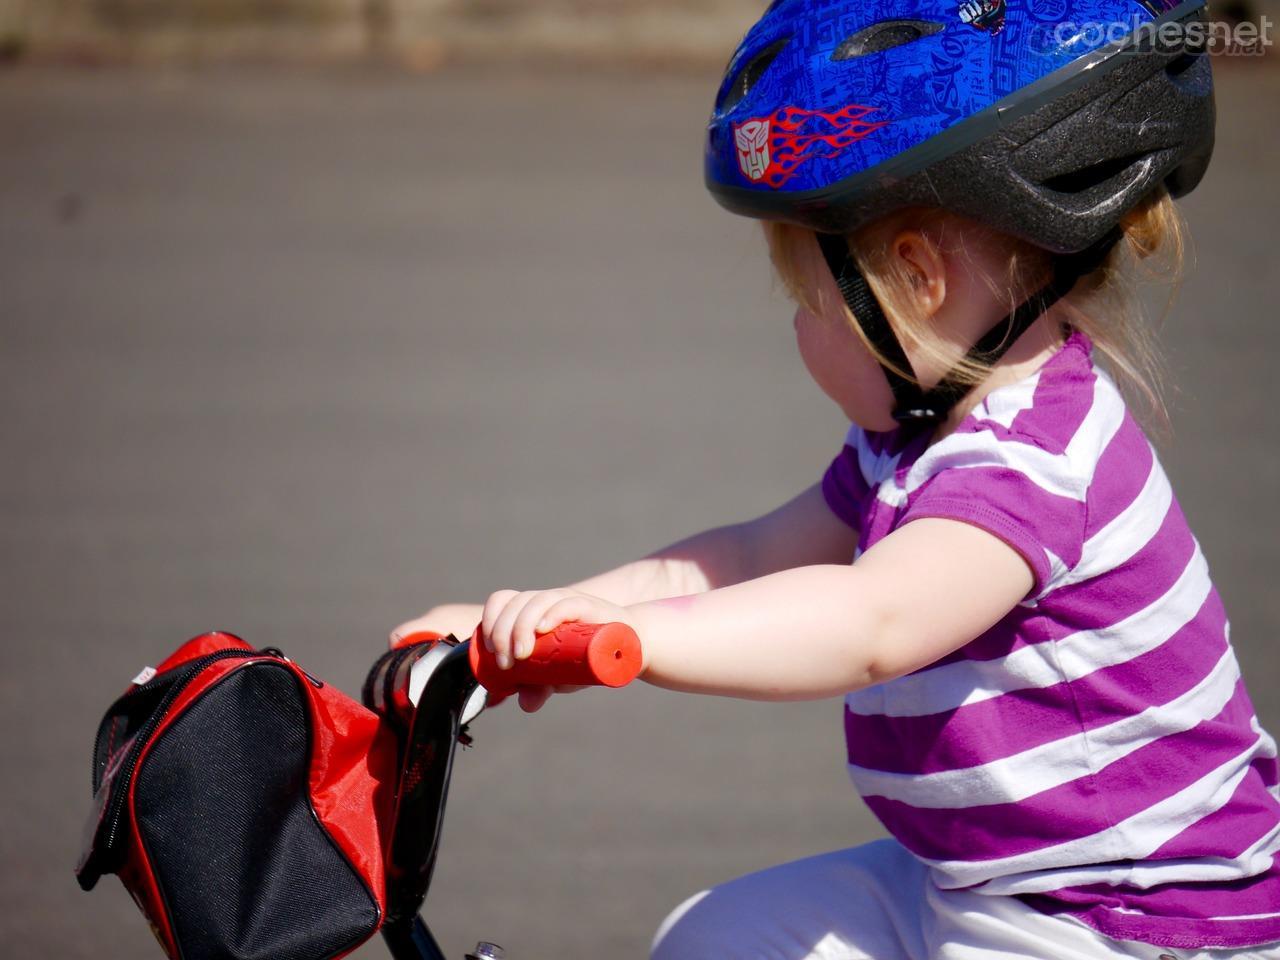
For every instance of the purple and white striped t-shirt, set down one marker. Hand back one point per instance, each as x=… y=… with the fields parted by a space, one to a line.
x=1095 y=752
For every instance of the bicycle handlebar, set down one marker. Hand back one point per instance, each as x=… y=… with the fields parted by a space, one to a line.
x=588 y=654
x=574 y=653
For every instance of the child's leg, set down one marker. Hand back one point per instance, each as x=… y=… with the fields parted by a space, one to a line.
x=878 y=902
x=858 y=904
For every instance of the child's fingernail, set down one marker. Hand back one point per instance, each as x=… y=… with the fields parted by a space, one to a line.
x=544 y=626
x=504 y=662
x=522 y=649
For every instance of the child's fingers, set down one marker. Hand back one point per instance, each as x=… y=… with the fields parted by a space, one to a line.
x=531 y=699
x=526 y=626
x=500 y=634
x=570 y=608
x=534 y=698
x=494 y=606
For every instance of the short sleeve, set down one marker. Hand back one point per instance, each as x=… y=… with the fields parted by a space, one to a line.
x=1030 y=497
x=843 y=485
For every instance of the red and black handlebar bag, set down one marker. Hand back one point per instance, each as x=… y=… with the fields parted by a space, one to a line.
x=245 y=805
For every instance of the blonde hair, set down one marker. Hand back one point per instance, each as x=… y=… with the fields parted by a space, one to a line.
x=1104 y=304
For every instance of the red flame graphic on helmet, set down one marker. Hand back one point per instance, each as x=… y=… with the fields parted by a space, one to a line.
x=794 y=135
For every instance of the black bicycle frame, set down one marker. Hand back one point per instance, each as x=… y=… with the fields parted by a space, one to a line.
x=424 y=786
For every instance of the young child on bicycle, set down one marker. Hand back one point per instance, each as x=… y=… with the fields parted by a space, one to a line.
x=1042 y=703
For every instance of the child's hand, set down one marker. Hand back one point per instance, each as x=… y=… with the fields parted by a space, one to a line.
x=512 y=620
x=460 y=619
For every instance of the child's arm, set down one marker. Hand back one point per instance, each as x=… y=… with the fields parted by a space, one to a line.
x=801 y=531
x=809 y=632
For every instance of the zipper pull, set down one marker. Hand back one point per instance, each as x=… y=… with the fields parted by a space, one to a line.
x=280 y=654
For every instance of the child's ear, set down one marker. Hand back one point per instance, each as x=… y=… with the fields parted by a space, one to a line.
x=923 y=263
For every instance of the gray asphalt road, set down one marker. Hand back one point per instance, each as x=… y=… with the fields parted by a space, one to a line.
x=299 y=355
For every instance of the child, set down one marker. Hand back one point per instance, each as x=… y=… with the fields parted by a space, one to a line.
x=1042 y=704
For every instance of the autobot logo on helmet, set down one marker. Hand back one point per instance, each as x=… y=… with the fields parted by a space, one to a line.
x=752 y=141
x=771 y=148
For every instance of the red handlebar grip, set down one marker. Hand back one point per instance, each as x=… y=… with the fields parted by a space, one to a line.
x=590 y=654
x=418 y=636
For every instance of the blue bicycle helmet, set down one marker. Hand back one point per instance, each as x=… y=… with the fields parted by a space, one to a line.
x=1045 y=119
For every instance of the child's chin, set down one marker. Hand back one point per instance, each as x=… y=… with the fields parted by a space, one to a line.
x=875 y=422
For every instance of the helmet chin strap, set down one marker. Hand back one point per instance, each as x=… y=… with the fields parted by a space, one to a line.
x=915 y=408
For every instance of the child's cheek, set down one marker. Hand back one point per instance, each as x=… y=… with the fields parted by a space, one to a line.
x=845 y=370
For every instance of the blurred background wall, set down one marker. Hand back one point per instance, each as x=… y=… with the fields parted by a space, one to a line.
x=298 y=348
x=415 y=32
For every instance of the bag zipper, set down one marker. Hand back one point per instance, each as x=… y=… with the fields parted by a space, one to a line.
x=120 y=782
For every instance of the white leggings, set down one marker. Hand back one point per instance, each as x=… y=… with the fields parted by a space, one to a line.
x=878 y=902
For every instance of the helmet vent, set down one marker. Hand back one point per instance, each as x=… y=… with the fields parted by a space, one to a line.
x=1078 y=181
x=884 y=35
x=750 y=73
